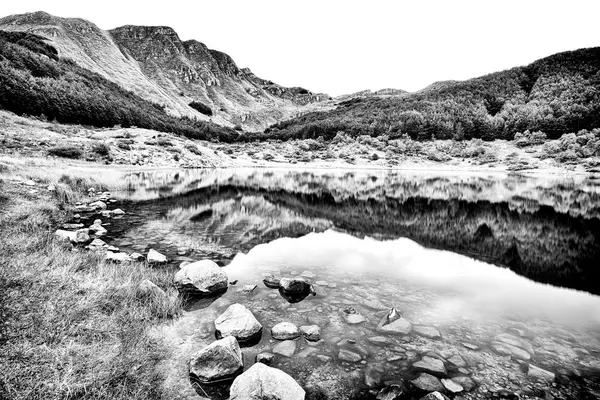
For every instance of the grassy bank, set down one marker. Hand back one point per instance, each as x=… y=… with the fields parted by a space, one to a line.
x=72 y=326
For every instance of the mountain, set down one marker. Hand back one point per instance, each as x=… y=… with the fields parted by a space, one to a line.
x=155 y=64
x=555 y=95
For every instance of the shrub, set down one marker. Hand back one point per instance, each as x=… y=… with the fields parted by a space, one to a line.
x=202 y=108
x=161 y=141
x=101 y=149
x=238 y=127
x=66 y=152
x=193 y=149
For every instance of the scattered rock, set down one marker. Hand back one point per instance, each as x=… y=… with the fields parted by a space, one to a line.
x=248 y=288
x=379 y=340
x=154 y=257
x=29 y=182
x=354 y=319
x=470 y=346
x=452 y=386
x=148 y=288
x=347 y=355
x=239 y=322
x=98 y=229
x=285 y=331
x=323 y=358
x=218 y=361
x=466 y=382
x=515 y=341
x=312 y=333
x=72 y=226
x=286 y=348
x=398 y=326
x=428 y=383
x=294 y=285
x=265 y=358
x=513 y=351
x=116 y=257
x=118 y=211
x=540 y=374
x=457 y=360
x=201 y=277
x=308 y=274
x=391 y=392
x=98 y=205
x=430 y=365
x=98 y=243
x=427 y=331
x=136 y=257
x=262 y=382
x=321 y=283
x=271 y=282
x=435 y=396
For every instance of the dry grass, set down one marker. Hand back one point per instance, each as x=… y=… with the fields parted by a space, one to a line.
x=73 y=325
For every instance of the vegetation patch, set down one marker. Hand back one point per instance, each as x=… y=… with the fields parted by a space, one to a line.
x=66 y=152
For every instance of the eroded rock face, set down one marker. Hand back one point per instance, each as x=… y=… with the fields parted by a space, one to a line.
x=218 y=361
x=262 y=382
x=239 y=322
x=202 y=277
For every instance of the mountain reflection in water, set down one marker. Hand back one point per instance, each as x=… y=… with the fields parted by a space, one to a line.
x=546 y=229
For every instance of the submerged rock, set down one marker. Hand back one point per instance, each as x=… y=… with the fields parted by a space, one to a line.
x=285 y=331
x=154 y=257
x=466 y=382
x=265 y=358
x=391 y=392
x=452 y=386
x=295 y=285
x=435 y=396
x=218 y=361
x=515 y=341
x=431 y=365
x=427 y=331
x=540 y=374
x=201 y=277
x=261 y=382
x=354 y=319
x=271 y=282
x=312 y=333
x=286 y=348
x=396 y=325
x=239 y=322
x=510 y=350
x=347 y=355
x=428 y=382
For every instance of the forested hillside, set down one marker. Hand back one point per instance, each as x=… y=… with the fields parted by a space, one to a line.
x=555 y=95
x=35 y=81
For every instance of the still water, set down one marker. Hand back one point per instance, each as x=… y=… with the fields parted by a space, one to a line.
x=483 y=260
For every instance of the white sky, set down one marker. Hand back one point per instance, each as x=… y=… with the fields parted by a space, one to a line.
x=343 y=46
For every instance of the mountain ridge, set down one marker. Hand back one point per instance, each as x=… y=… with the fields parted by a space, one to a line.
x=154 y=63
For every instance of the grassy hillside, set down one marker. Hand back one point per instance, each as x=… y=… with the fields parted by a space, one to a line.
x=555 y=95
x=35 y=81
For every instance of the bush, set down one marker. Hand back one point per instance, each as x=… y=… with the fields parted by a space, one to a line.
x=193 y=149
x=202 y=108
x=161 y=141
x=101 y=149
x=66 y=152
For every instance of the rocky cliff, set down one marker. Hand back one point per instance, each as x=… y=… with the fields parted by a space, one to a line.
x=157 y=65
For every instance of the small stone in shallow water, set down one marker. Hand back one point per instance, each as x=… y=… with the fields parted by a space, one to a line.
x=452 y=386
x=285 y=331
x=515 y=341
x=308 y=274
x=263 y=382
x=428 y=382
x=271 y=281
x=312 y=333
x=379 y=340
x=286 y=348
x=305 y=352
x=321 y=283
x=513 y=351
x=219 y=360
x=427 y=331
x=248 y=288
x=457 y=360
x=265 y=358
x=347 y=355
x=391 y=392
x=354 y=319
x=154 y=257
x=539 y=373
x=470 y=346
x=294 y=285
x=400 y=326
x=430 y=365
x=323 y=358
x=239 y=322
x=464 y=381
x=435 y=396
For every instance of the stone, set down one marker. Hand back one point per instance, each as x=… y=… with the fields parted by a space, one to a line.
x=467 y=383
x=72 y=226
x=201 y=277
x=430 y=365
x=148 y=288
x=98 y=243
x=248 y=288
x=452 y=386
x=321 y=283
x=285 y=331
x=470 y=346
x=312 y=333
x=510 y=350
x=391 y=392
x=66 y=235
x=515 y=341
x=434 y=396
x=262 y=382
x=29 y=182
x=98 y=229
x=271 y=282
x=294 y=285
x=308 y=274
x=457 y=360
x=347 y=355
x=154 y=257
x=305 y=352
x=98 y=205
x=379 y=340
x=118 y=211
x=540 y=374
x=286 y=348
x=323 y=358
x=239 y=322
x=399 y=326
x=265 y=358
x=116 y=257
x=218 y=361
x=427 y=331
x=354 y=319
x=428 y=382
x=136 y=257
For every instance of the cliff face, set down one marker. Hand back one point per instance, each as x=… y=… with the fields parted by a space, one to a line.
x=157 y=65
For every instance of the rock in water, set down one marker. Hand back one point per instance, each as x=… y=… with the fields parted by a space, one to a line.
x=261 y=382
x=312 y=333
x=347 y=355
x=294 y=285
x=286 y=348
x=285 y=331
x=452 y=386
x=540 y=374
x=466 y=382
x=515 y=341
x=513 y=351
x=201 y=277
x=265 y=358
x=397 y=326
x=391 y=392
x=239 y=322
x=428 y=383
x=435 y=396
x=271 y=282
x=431 y=365
x=154 y=257
x=218 y=361
x=427 y=331
x=116 y=257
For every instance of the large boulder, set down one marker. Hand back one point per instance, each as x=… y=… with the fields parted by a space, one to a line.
x=201 y=277
x=218 y=361
x=239 y=322
x=261 y=382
